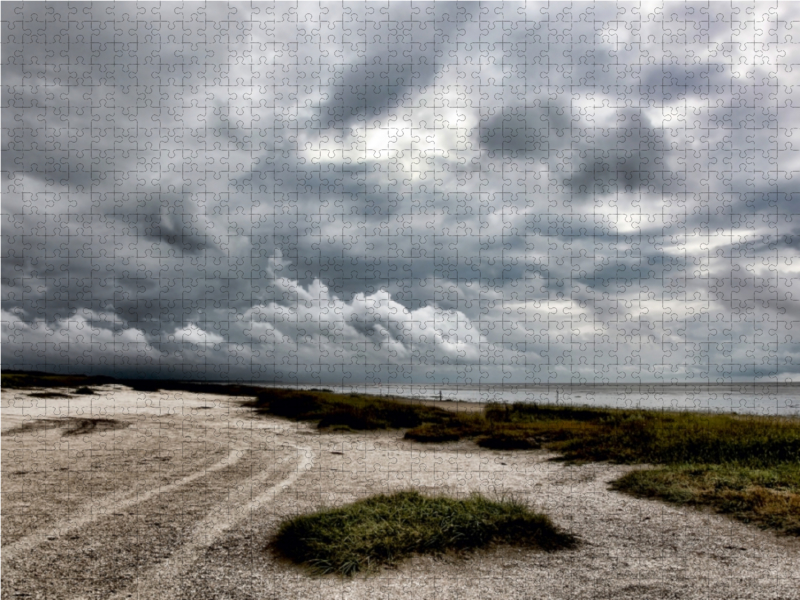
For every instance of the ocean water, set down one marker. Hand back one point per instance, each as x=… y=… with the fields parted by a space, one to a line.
x=749 y=398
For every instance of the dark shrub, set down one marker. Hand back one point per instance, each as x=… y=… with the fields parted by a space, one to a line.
x=433 y=432
x=291 y=406
x=449 y=429
x=351 y=419
x=509 y=440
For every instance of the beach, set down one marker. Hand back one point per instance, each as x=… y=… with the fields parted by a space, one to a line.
x=131 y=494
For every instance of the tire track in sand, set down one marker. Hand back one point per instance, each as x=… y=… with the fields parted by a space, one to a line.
x=154 y=582
x=112 y=503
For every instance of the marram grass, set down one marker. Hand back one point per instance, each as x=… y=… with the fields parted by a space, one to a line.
x=766 y=497
x=385 y=529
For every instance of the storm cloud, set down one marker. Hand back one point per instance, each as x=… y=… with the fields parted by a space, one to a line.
x=449 y=192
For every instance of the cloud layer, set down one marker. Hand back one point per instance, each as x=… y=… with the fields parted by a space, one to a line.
x=401 y=192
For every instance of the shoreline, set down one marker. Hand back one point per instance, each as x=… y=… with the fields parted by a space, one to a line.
x=743 y=398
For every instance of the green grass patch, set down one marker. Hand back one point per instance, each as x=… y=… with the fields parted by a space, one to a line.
x=677 y=438
x=641 y=436
x=767 y=497
x=385 y=529
x=520 y=412
x=454 y=427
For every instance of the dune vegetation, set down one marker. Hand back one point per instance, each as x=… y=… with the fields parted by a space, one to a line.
x=385 y=529
x=747 y=466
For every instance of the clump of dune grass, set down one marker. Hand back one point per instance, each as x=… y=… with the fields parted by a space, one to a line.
x=455 y=427
x=385 y=529
x=15 y=379
x=521 y=412
x=767 y=497
x=676 y=438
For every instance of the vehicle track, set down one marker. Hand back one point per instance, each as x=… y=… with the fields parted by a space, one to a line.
x=165 y=574
x=160 y=533
x=93 y=511
x=161 y=516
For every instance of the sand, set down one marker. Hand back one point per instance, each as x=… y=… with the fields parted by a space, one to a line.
x=176 y=495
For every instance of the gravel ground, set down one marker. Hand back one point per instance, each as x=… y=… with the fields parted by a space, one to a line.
x=179 y=500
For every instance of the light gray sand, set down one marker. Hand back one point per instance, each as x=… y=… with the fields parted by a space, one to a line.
x=181 y=503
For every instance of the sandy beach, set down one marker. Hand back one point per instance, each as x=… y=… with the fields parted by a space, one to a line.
x=127 y=494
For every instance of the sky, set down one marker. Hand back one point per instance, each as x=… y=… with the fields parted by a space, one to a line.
x=455 y=193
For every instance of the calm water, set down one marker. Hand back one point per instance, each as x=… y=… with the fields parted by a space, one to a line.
x=758 y=398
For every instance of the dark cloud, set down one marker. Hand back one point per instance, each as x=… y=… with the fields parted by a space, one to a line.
x=525 y=130
x=367 y=192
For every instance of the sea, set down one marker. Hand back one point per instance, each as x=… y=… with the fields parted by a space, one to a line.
x=739 y=398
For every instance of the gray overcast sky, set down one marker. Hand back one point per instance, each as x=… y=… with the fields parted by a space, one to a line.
x=458 y=192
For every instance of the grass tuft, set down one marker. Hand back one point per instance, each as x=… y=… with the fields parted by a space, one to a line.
x=385 y=529
x=767 y=497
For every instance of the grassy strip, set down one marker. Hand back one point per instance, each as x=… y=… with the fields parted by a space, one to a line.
x=769 y=498
x=632 y=436
x=677 y=438
x=385 y=529
x=521 y=426
x=354 y=411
